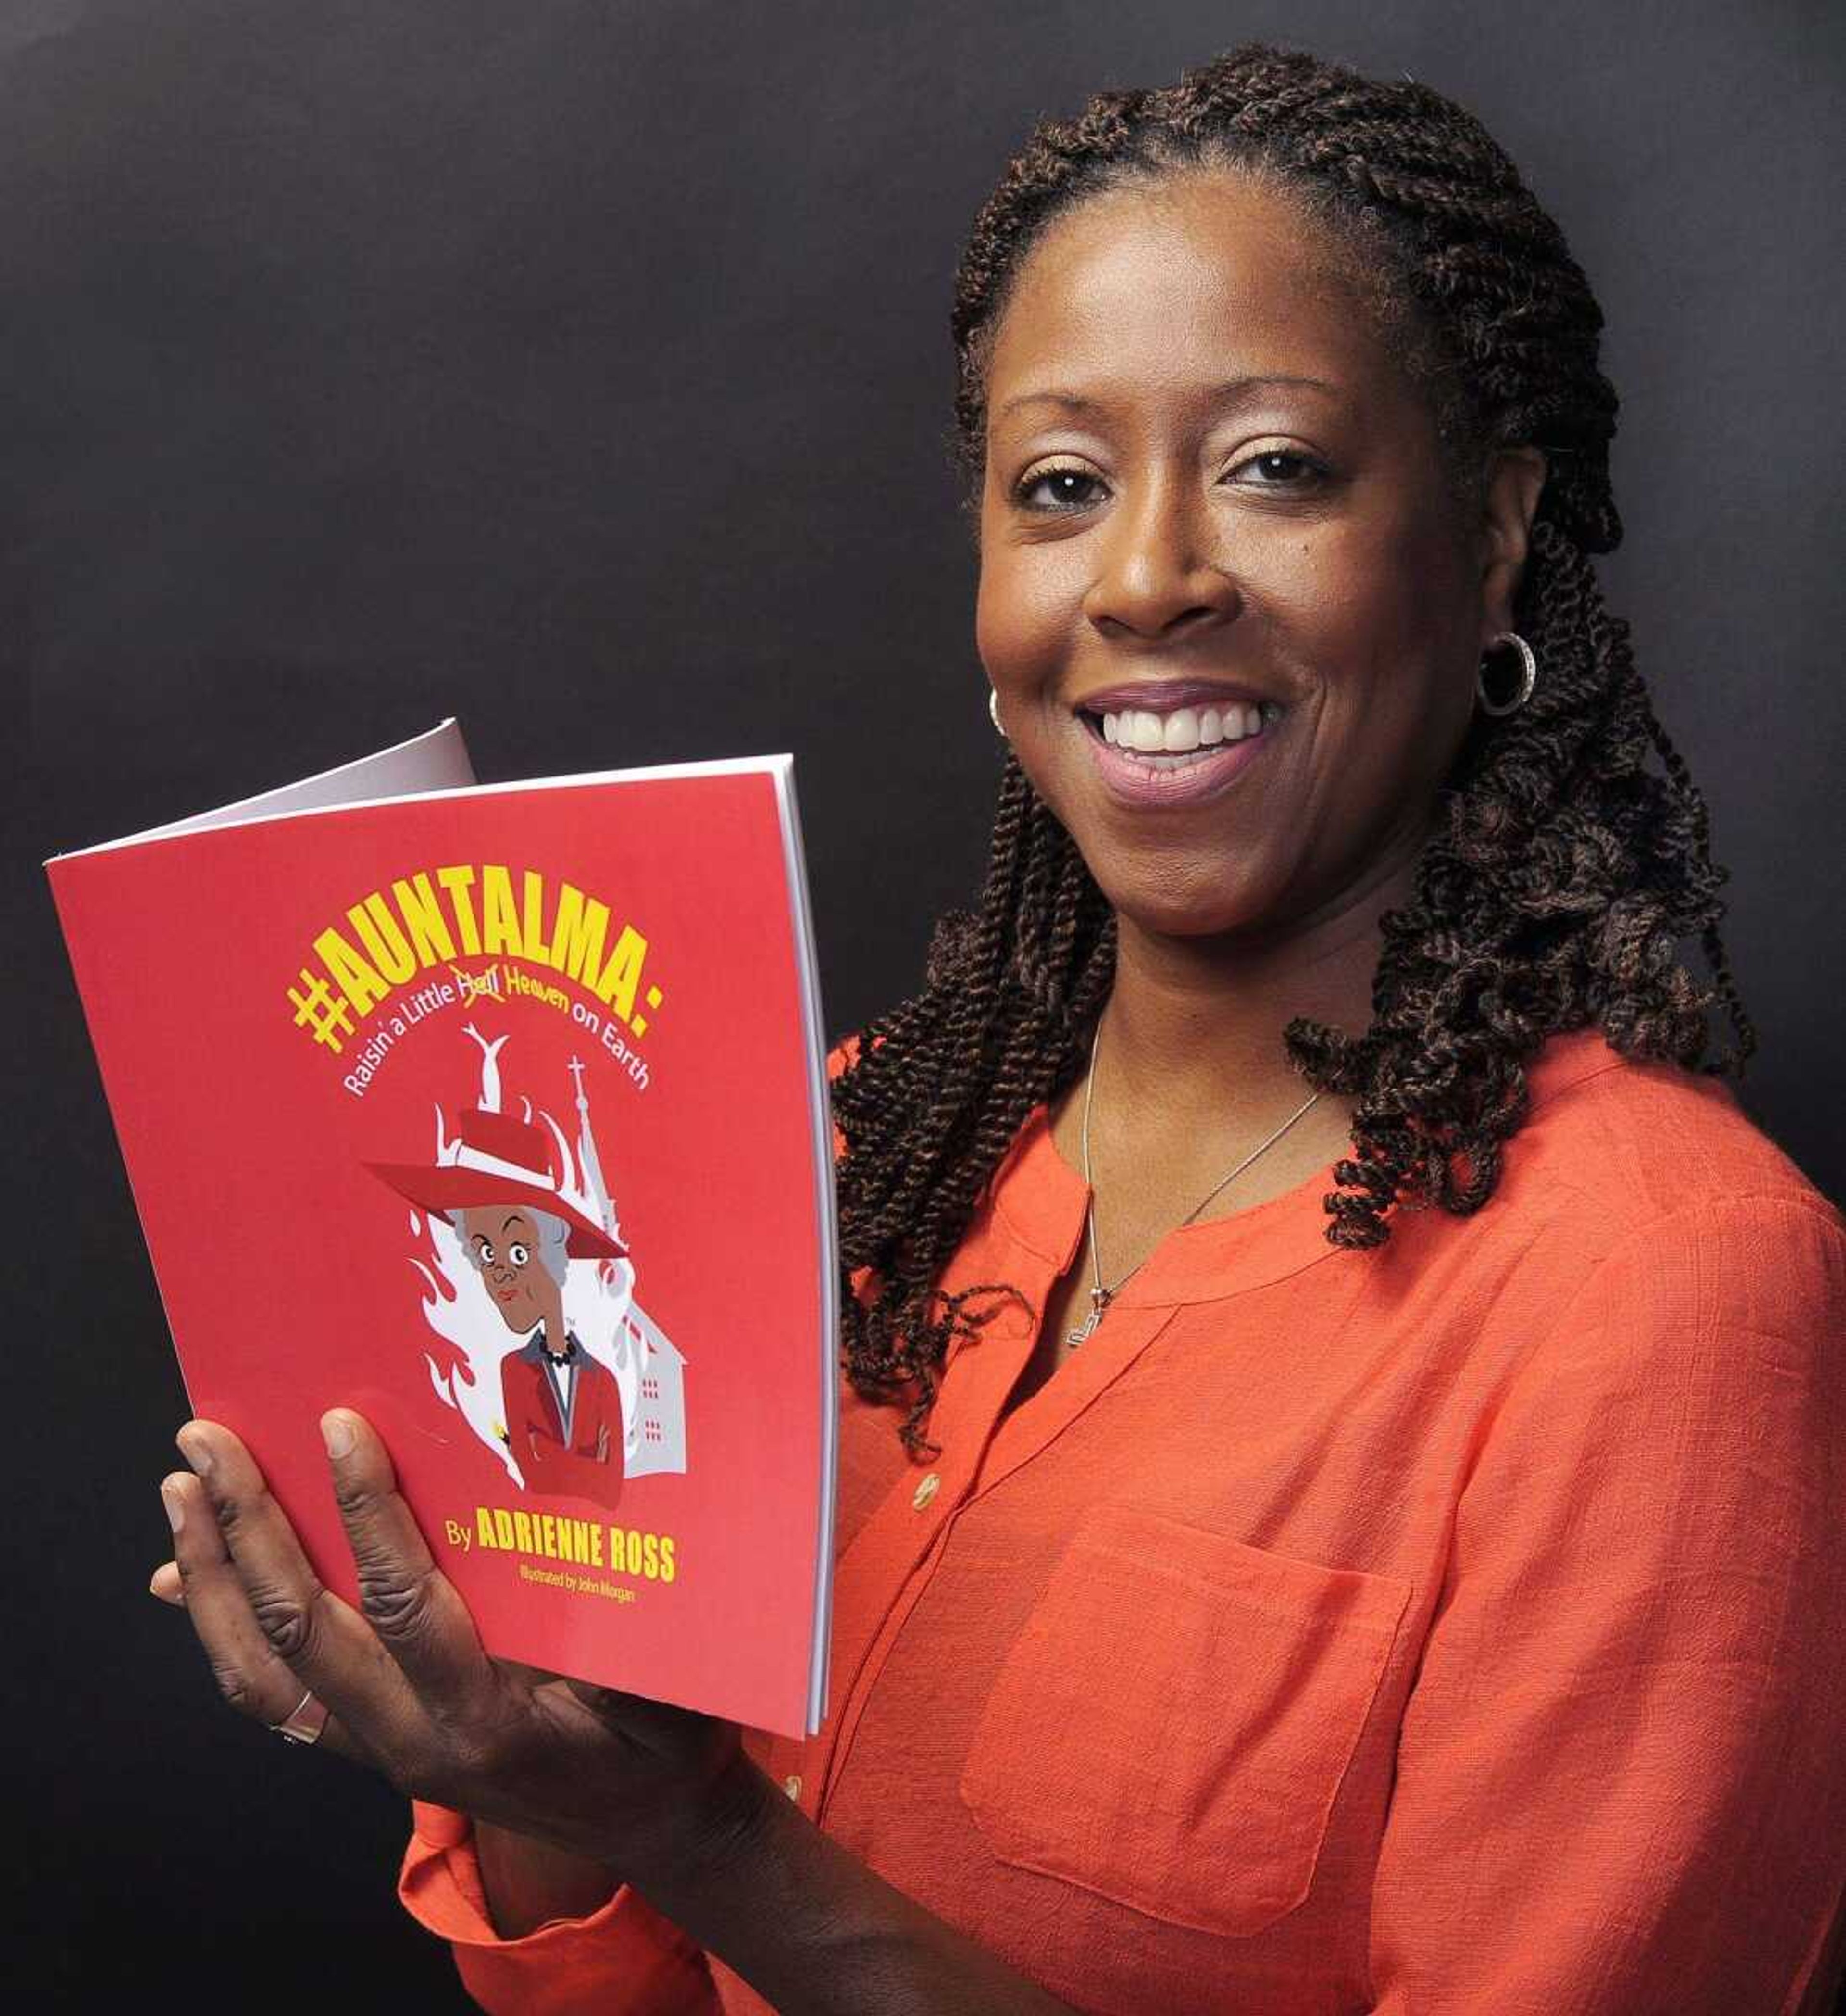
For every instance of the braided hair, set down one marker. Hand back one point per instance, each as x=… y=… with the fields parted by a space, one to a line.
x=1559 y=875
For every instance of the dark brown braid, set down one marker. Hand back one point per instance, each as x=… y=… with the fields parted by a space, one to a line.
x=1560 y=875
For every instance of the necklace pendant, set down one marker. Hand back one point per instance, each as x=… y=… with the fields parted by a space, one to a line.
x=1098 y=1301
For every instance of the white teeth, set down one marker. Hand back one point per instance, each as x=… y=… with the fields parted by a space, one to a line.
x=1183 y=729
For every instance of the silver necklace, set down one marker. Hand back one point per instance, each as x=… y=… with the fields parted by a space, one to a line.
x=1100 y=1297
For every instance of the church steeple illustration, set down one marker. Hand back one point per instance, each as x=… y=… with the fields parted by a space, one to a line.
x=595 y=1190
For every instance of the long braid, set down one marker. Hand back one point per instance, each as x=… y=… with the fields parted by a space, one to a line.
x=941 y=1085
x=1560 y=875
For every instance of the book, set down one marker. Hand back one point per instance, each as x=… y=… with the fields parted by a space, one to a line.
x=498 y=1113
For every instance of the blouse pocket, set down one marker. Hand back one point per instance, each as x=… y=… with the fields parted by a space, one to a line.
x=1172 y=1725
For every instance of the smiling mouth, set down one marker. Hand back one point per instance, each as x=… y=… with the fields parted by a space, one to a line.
x=1180 y=757
x=1173 y=738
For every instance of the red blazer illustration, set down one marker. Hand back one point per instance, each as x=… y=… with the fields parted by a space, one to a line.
x=581 y=1454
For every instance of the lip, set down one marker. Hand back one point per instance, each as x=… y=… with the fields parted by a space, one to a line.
x=1160 y=695
x=1132 y=782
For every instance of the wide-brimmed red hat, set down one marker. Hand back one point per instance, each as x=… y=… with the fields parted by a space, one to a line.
x=499 y=1161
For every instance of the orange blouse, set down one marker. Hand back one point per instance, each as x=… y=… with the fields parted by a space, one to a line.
x=1454 y=1626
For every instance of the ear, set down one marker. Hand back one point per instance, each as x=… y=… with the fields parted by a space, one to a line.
x=1515 y=476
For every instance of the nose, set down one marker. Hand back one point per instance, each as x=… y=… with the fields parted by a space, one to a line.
x=1153 y=577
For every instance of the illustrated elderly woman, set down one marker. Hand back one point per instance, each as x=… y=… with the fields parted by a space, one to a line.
x=1341 y=1474
x=560 y=1411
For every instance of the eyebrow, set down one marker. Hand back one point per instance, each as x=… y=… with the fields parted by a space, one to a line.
x=1232 y=389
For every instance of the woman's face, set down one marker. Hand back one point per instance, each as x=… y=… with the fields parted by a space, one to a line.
x=1168 y=525
x=504 y=1246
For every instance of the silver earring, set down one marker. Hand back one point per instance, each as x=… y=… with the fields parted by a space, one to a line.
x=1528 y=676
x=993 y=710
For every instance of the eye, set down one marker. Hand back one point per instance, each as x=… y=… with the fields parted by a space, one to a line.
x=1283 y=469
x=518 y=1254
x=484 y=1254
x=1064 y=489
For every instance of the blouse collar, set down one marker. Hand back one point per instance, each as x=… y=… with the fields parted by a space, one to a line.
x=1040 y=1201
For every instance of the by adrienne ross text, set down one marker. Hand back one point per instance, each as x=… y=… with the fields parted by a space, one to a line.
x=553 y=1536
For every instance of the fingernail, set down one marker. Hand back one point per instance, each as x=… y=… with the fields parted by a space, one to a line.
x=193 y=1447
x=337 y=1433
x=176 y=1512
x=153 y=1588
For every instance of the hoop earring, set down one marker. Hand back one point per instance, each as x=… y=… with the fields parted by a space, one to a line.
x=1528 y=676
x=993 y=712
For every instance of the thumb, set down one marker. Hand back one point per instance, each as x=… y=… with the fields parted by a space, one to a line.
x=608 y=1705
x=653 y=1724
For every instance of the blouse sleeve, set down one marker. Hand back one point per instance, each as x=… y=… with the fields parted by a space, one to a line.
x=623 y=1959
x=1622 y=1770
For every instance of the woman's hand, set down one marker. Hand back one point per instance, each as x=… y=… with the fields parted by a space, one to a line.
x=649 y=1791
x=663 y=1797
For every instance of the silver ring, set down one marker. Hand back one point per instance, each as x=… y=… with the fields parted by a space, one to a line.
x=305 y=1722
x=993 y=709
x=1528 y=671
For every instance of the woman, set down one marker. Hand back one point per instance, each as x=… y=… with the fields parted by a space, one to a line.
x=1412 y=1596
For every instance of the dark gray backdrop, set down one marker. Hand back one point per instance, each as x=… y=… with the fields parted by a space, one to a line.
x=581 y=369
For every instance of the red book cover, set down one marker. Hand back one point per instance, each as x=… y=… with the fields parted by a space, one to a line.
x=498 y=1113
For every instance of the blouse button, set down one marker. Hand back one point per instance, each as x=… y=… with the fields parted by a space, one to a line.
x=792 y=1787
x=925 y=1490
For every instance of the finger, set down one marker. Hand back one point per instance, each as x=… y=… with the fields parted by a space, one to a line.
x=248 y=1676
x=165 y=1583
x=324 y=1642
x=415 y=1609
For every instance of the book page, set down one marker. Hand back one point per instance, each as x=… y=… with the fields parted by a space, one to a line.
x=437 y=760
